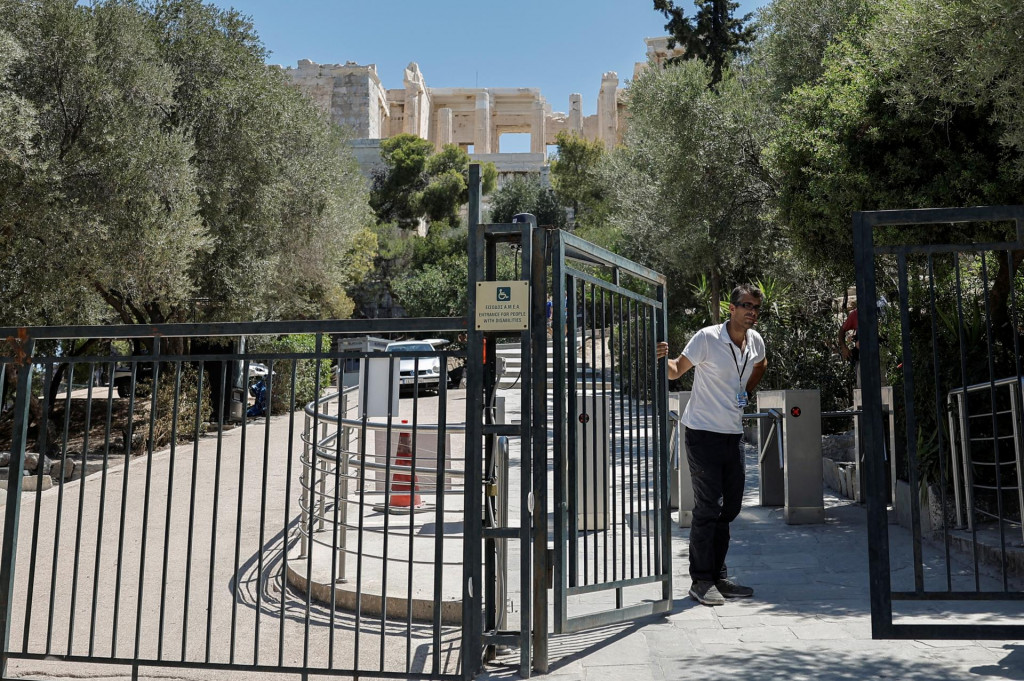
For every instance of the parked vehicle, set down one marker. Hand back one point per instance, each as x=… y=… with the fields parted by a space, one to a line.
x=422 y=370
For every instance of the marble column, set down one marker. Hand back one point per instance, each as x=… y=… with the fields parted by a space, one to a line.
x=608 y=110
x=576 y=114
x=445 y=128
x=482 y=124
x=537 y=145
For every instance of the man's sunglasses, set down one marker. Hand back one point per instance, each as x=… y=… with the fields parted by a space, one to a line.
x=750 y=306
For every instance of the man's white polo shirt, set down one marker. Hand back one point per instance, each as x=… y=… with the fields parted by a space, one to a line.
x=720 y=371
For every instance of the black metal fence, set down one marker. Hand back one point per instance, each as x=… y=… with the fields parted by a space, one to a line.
x=950 y=344
x=203 y=503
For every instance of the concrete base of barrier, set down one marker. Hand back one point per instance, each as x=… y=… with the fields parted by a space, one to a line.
x=372 y=603
x=804 y=515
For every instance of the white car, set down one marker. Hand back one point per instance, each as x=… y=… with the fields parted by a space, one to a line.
x=413 y=369
x=258 y=370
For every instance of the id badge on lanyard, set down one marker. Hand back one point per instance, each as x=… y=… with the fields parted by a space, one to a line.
x=741 y=393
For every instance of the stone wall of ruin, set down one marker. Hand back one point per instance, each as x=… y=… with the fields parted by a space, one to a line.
x=473 y=118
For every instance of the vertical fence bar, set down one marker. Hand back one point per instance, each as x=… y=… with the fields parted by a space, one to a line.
x=57 y=528
x=170 y=501
x=268 y=410
x=606 y=467
x=471 y=557
x=654 y=453
x=314 y=447
x=442 y=420
x=878 y=531
x=968 y=447
x=286 y=521
x=235 y=578
x=636 y=395
x=127 y=446
x=939 y=416
x=623 y=444
x=911 y=414
x=663 y=453
x=413 y=485
x=19 y=435
x=572 y=438
x=42 y=444
x=150 y=446
x=336 y=527
x=216 y=504
x=102 y=511
x=645 y=427
x=586 y=465
x=364 y=417
x=535 y=246
x=81 y=507
x=610 y=348
x=1016 y=389
x=559 y=328
x=388 y=474
x=997 y=458
x=192 y=509
x=620 y=468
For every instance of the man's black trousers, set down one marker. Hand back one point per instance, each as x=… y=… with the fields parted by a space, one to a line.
x=716 y=469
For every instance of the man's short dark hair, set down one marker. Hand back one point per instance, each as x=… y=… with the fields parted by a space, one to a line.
x=745 y=290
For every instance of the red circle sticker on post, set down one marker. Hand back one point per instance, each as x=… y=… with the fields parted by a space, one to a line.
x=584 y=418
x=795 y=411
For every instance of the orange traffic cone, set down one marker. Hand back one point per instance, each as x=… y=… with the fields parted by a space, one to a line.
x=405 y=496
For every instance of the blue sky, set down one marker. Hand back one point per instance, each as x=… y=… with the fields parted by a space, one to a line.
x=559 y=46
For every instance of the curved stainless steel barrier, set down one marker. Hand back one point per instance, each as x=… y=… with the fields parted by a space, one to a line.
x=338 y=473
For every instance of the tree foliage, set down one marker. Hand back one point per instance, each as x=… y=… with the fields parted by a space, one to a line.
x=849 y=140
x=417 y=183
x=168 y=173
x=525 y=194
x=690 y=192
x=576 y=177
x=713 y=35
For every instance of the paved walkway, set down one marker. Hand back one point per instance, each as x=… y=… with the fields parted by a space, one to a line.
x=809 y=618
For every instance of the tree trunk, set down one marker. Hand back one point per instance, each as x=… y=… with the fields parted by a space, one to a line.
x=1003 y=326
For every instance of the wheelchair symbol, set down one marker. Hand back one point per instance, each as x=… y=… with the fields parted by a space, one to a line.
x=504 y=293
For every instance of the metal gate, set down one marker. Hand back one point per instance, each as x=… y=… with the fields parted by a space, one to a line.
x=226 y=522
x=612 y=526
x=940 y=317
x=591 y=517
x=588 y=513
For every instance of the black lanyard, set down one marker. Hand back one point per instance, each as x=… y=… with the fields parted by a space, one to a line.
x=746 y=358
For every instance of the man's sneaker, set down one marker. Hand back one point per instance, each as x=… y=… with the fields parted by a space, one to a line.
x=704 y=591
x=731 y=589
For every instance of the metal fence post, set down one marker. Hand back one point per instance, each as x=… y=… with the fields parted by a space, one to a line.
x=307 y=486
x=345 y=434
x=19 y=428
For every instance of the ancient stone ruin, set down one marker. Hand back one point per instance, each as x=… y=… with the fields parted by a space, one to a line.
x=473 y=118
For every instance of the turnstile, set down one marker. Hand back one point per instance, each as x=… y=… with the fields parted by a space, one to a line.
x=793 y=478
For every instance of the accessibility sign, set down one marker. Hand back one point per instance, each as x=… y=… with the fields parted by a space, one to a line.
x=502 y=305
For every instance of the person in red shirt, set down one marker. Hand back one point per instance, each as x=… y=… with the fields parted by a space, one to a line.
x=848 y=353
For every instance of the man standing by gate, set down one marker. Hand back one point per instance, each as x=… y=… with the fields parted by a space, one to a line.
x=729 y=361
